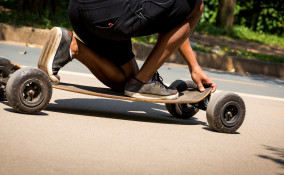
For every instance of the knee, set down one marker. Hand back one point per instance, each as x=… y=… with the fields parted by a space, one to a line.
x=74 y=48
x=197 y=10
x=199 y=6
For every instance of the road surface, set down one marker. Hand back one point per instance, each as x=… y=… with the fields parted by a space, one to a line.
x=81 y=134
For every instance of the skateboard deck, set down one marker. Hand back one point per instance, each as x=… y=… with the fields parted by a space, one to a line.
x=191 y=95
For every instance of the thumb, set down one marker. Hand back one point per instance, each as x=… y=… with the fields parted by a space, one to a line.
x=200 y=86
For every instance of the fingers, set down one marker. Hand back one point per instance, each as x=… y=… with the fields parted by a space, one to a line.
x=214 y=86
x=208 y=82
x=201 y=79
x=200 y=86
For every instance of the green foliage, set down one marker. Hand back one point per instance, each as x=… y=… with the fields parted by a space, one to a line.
x=210 y=11
x=151 y=39
x=46 y=20
x=267 y=14
x=10 y=4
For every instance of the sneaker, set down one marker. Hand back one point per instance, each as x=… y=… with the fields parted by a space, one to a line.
x=153 y=90
x=55 y=53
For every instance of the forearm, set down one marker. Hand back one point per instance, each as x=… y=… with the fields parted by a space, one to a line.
x=187 y=53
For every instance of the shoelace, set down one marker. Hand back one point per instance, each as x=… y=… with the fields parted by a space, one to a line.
x=158 y=80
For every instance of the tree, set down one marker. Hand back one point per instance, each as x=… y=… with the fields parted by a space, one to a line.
x=225 y=15
x=255 y=14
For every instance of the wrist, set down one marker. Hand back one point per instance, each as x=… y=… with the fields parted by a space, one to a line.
x=194 y=68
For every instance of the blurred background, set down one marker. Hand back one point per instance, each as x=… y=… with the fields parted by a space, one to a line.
x=247 y=28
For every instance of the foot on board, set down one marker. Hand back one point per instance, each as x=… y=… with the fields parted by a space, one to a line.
x=153 y=90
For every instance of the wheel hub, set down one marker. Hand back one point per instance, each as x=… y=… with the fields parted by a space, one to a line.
x=231 y=113
x=31 y=92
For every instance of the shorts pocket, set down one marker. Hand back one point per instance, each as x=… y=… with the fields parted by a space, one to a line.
x=155 y=9
x=104 y=18
x=107 y=23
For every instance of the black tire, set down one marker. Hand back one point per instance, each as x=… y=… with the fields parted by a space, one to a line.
x=6 y=68
x=29 y=90
x=226 y=112
x=4 y=62
x=4 y=76
x=181 y=85
x=182 y=111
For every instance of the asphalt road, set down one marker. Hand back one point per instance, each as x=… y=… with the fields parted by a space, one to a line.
x=81 y=134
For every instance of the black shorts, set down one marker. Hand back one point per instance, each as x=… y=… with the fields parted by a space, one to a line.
x=107 y=26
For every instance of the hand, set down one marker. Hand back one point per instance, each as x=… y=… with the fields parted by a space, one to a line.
x=201 y=79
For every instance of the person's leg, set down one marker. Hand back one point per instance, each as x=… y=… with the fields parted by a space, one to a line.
x=168 y=43
x=56 y=54
x=106 y=71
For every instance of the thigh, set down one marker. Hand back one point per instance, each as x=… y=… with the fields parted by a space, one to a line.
x=119 y=52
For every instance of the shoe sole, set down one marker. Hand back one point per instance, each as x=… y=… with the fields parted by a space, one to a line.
x=150 y=96
x=48 y=53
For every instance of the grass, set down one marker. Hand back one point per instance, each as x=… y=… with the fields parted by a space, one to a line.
x=261 y=56
x=242 y=33
x=239 y=52
x=238 y=32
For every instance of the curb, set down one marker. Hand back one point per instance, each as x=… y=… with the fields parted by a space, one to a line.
x=220 y=62
x=23 y=34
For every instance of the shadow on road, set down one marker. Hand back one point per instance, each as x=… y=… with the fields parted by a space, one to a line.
x=118 y=109
x=278 y=155
x=208 y=128
x=10 y=109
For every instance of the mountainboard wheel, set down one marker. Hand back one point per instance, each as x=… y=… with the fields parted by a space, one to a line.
x=182 y=111
x=6 y=68
x=29 y=90
x=226 y=112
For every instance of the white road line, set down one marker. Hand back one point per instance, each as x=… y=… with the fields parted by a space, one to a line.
x=256 y=96
x=70 y=73
x=239 y=82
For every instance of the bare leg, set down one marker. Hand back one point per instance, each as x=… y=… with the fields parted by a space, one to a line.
x=169 y=42
x=106 y=71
